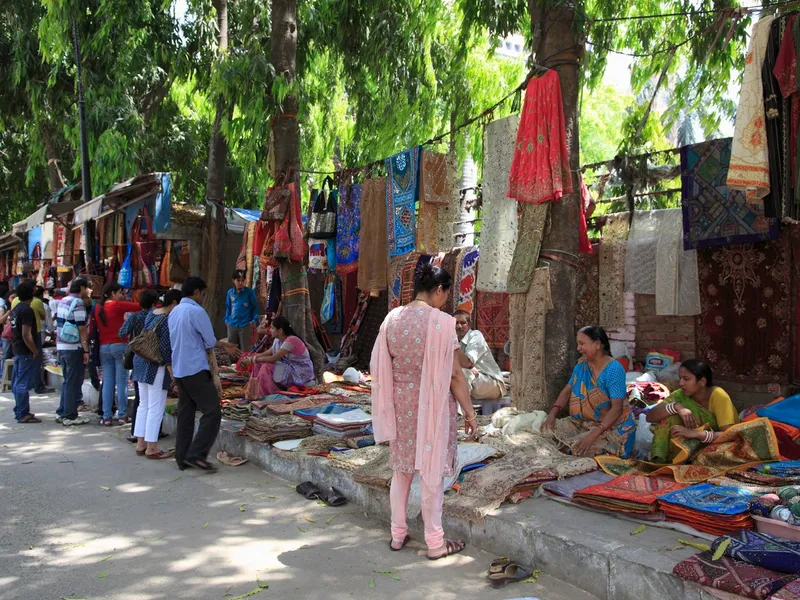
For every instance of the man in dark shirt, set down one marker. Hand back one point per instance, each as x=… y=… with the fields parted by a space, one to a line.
x=26 y=353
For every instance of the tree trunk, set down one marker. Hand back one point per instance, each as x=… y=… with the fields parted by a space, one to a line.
x=213 y=250
x=556 y=41
x=51 y=153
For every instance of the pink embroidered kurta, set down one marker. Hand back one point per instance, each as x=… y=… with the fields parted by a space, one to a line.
x=406 y=336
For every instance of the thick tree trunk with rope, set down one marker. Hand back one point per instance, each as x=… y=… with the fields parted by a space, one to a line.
x=214 y=233
x=557 y=44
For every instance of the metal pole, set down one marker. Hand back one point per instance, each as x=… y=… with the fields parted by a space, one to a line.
x=85 y=173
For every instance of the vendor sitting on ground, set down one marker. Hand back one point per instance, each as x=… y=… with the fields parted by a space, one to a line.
x=286 y=364
x=698 y=411
x=484 y=379
x=600 y=419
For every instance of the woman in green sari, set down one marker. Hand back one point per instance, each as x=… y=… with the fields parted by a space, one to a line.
x=698 y=411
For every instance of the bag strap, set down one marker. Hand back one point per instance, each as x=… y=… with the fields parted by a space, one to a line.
x=160 y=319
x=333 y=196
x=71 y=308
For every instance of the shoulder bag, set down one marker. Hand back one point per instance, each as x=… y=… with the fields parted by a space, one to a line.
x=147 y=345
x=323 y=216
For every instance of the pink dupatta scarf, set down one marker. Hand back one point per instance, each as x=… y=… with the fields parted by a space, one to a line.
x=434 y=406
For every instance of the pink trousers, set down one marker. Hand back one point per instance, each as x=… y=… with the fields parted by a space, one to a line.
x=432 y=500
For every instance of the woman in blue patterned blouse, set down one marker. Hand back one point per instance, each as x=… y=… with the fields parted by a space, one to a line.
x=154 y=381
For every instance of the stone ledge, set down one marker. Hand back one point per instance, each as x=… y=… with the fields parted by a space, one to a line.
x=590 y=551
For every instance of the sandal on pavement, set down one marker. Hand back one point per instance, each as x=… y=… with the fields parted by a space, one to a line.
x=309 y=490
x=403 y=545
x=230 y=461
x=331 y=496
x=140 y=452
x=29 y=418
x=499 y=565
x=106 y=422
x=83 y=408
x=512 y=573
x=201 y=464
x=160 y=455
x=451 y=548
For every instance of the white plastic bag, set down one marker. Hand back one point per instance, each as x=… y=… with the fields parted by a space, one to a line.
x=644 y=439
x=90 y=395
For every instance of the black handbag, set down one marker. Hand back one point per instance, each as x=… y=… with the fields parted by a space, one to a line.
x=322 y=224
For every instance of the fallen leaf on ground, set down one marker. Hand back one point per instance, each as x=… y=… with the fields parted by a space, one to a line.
x=291 y=487
x=104 y=488
x=389 y=573
x=302 y=530
x=176 y=479
x=697 y=545
x=159 y=537
x=272 y=497
x=639 y=530
x=109 y=557
x=304 y=547
x=102 y=576
x=72 y=546
x=721 y=549
x=372 y=583
x=241 y=507
x=261 y=587
x=329 y=521
x=534 y=577
x=309 y=519
x=160 y=502
x=161 y=489
x=206 y=525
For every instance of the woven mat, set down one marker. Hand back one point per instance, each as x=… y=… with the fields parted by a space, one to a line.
x=376 y=472
x=352 y=461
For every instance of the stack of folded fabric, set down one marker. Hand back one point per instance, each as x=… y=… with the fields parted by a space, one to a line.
x=236 y=410
x=300 y=404
x=310 y=414
x=709 y=508
x=634 y=494
x=736 y=577
x=232 y=393
x=353 y=423
x=275 y=428
x=567 y=488
x=525 y=488
x=762 y=550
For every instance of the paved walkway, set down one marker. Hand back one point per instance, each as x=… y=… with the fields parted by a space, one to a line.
x=84 y=518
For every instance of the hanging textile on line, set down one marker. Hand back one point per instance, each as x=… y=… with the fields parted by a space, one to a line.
x=749 y=167
x=402 y=189
x=373 y=265
x=540 y=169
x=348 y=224
x=438 y=202
x=499 y=226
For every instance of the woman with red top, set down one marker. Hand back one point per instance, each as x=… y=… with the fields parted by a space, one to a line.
x=110 y=318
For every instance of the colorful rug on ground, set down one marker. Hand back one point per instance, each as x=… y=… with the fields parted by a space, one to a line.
x=636 y=494
x=714 y=214
x=743 y=330
x=739 y=446
x=402 y=191
x=732 y=576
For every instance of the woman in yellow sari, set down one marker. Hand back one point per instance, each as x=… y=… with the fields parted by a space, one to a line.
x=698 y=410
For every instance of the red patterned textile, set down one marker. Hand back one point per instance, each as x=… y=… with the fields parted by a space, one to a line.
x=407 y=273
x=733 y=576
x=743 y=330
x=540 y=169
x=493 y=318
x=629 y=493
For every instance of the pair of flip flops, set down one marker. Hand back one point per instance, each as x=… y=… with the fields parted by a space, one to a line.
x=504 y=571
x=229 y=460
x=327 y=494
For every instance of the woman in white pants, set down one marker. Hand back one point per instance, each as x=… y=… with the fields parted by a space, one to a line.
x=154 y=381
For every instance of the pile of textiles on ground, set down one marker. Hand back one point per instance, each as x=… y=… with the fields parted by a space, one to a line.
x=750 y=564
x=236 y=410
x=712 y=509
x=632 y=494
x=310 y=414
x=528 y=486
x=351 y=423
x=232 y=393
x=267 y=430
x=285 y=408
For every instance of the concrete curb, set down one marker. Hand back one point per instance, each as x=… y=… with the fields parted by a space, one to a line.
x=592 y=552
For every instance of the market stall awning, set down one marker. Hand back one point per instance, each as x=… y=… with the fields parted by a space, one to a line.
x=50 y=212
x=88 y=211
x=247 y=214
x=9 y=240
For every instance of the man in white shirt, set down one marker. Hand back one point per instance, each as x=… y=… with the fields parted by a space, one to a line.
x=484 y=379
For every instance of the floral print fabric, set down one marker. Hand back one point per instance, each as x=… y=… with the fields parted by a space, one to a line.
x=348 y=225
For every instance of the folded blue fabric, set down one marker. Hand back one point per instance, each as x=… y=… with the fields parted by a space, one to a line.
x=786 y=411
x=762 y=550
x=714 y=499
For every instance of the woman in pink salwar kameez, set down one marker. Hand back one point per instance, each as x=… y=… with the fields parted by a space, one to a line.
x=287 y=363
x=415 y=377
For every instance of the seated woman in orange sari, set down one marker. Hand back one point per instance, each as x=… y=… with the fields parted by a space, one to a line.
x=696 y=404
x=600 y=419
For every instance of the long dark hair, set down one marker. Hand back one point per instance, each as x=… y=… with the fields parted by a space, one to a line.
x=4 y=289
x=431 y=277
x=700 y=369
x=597 y=334
x=110 y=288
x=283 y=324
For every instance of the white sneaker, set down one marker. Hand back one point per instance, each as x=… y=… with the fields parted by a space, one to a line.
x=78 y=421
x=59 y=419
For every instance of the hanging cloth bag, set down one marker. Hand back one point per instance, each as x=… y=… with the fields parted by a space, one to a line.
x=143 y=262
x=328 y=309
x=125 y=278
x=323 y=216
x=276 y=200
